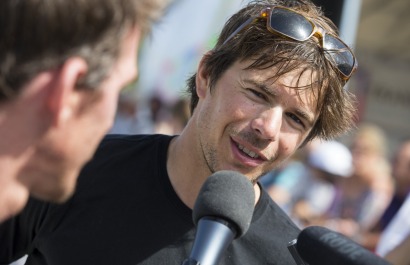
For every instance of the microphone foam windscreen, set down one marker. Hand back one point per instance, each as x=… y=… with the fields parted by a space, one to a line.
x=318 y=245
x=227 y=195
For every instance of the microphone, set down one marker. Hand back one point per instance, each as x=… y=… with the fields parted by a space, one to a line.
x=320 y=246
x=222 y=213
x=294 y=252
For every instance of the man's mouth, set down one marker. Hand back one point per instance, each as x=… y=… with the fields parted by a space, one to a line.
x=248 y=152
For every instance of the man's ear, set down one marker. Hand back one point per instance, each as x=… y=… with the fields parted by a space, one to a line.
x=202 y=77
x=63 y=98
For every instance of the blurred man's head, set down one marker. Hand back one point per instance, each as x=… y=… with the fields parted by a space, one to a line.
x=62 y=66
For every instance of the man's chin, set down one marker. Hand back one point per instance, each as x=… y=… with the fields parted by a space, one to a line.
x=12 y=203
x=62 y=196
x=55 y=192
x=54 y=196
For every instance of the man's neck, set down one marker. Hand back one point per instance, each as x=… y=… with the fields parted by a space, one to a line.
x=187 y=169
x=19 y=132
x=13 y=156
x=13 y=195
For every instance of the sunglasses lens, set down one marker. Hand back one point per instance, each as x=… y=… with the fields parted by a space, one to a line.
x=291 y=24
x=340 y=54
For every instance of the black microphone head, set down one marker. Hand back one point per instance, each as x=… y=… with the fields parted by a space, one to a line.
x=229 y=196
x=318 y=245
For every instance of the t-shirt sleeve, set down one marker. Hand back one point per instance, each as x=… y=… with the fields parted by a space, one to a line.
x=18 y=233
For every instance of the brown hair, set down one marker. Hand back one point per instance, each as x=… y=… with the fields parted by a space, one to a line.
x=39 y=35
x=335 y=104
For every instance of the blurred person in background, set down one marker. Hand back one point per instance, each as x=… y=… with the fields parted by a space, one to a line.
x=399 y=226
x=400 y=254
x=282 y=183
x=328 y=162
x=159 y=117
x=394 y=242
x=256 y=98
x=127 y=120
x=175 y=118
x=307 y=179
x=401 y=177
x=62 y=66
x=362 y=198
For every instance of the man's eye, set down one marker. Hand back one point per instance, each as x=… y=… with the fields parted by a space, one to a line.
x=296 y=119
x=258 y=94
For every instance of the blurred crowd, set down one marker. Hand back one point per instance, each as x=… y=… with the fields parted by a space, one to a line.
x=153 y=115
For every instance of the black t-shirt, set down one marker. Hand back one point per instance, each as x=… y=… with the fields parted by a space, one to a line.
x=125 y=211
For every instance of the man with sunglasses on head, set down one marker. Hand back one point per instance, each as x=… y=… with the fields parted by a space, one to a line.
x=273 y=82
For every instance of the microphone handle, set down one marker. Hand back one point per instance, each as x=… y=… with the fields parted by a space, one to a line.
x=213 y=237
x=190 y=262
x=294 y=252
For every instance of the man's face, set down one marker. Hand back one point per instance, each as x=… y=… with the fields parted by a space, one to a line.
x=101 y=114
x=365 y=157
x=74 y=143
x=250 y=123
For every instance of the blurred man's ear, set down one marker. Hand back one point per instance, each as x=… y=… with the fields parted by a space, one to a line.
x=202 y=77
x=63 y=97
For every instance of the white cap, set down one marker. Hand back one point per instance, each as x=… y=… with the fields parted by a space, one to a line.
x=332 y=157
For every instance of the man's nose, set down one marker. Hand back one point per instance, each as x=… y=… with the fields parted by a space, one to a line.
x=268 y=123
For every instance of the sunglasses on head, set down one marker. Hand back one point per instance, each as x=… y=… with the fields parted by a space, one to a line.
x=290 y=24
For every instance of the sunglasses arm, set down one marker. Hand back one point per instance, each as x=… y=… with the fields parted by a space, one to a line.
x=246 y=23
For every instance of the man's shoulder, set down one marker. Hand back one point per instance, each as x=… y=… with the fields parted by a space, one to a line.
x=269 y=218
x=114 y=143
x=135 y=139
x=267 y=238
x=119 y=151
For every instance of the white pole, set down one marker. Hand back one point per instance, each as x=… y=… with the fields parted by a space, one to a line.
x=349 y=21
